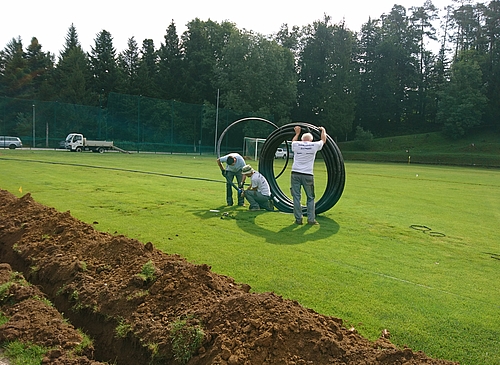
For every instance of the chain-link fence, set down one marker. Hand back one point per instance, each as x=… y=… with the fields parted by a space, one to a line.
x=133 y=123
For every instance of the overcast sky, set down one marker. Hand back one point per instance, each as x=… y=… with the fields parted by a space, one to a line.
x=50 y=20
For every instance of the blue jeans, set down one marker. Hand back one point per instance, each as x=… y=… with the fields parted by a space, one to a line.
x=299 y=181
x=229 y=189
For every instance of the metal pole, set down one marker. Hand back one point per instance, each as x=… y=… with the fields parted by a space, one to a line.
x=216 y=121
x=201 y=128
x=171 y=125
x=56 y=104
x=100 y=112
x=3 y=119
x=33 y=125
x=138 y=120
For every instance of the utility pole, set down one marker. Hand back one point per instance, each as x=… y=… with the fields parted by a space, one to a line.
x=216 y=122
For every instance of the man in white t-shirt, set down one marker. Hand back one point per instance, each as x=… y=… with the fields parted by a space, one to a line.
x=304 y=153
x=258 y=193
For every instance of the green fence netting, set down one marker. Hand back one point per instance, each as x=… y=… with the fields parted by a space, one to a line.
x=132 y=122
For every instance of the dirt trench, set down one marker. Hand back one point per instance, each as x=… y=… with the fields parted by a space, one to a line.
x=97 y=280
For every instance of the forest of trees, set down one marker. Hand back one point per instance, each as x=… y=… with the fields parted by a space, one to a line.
x=383 y=78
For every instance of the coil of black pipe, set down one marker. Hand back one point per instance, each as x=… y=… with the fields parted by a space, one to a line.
x=332 y=157
x=221 y=137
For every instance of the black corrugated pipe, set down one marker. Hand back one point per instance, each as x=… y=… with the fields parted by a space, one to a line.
x=331 y=155
x=219 y=141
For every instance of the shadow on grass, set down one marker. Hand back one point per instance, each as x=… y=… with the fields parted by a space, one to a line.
x=289 y=234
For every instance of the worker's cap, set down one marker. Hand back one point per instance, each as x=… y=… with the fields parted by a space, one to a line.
x=247 y=169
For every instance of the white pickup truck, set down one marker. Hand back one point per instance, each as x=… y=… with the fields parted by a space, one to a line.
x=281 y=153
x=76 y=142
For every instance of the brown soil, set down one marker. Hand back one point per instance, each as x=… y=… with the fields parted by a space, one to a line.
x=92 y=278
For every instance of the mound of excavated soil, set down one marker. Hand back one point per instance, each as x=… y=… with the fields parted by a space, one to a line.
x=92 y=278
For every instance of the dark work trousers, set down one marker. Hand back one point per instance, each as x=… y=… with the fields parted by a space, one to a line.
x=230 y=175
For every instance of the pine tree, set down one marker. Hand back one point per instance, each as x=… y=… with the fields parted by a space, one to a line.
x=103 y=65
x=72 y=74
x=421 y=20
x=128 y=66
x=41 y=67
x=148 y=69
x=15 y=70
x=71 y=41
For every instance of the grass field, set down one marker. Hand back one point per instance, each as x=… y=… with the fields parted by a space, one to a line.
x=437 y=290
x=480 y=148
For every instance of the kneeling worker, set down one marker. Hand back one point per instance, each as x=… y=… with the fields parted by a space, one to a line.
x=258 y=193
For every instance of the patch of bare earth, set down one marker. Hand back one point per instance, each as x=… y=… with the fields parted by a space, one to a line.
x=91 y=277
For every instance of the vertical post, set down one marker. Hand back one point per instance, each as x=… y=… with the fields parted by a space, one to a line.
x=201 y=128
x=256 y=148
x=33 y=125
x=3 y=119
x=216 y=121
x=100 y=112
x=54 y=124
x=171 y=125
x=138 y=120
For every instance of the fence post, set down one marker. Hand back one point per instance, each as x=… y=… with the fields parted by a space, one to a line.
x=138 y=121
x=34 y=138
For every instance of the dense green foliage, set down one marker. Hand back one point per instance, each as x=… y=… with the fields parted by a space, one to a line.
x=384 y=78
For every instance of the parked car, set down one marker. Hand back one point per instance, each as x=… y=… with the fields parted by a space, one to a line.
x=281 y=153
x=10 y=142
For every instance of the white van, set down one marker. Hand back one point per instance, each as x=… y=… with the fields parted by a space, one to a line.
x=281 y=153
x=10 y=142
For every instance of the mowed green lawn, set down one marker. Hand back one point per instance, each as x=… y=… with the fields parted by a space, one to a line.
x=437 y=291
